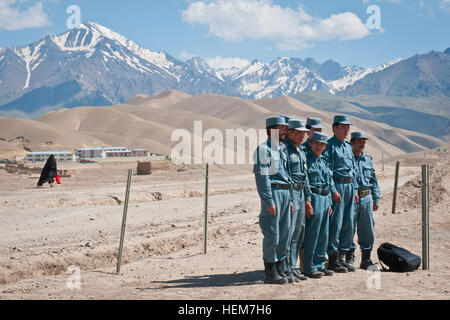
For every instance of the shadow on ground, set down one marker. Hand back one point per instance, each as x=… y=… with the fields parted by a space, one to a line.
x=214 y=280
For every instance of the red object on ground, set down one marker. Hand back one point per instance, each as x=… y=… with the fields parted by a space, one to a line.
x=58 y=179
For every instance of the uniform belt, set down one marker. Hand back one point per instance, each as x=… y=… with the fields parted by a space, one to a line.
x=343 y=180
x=364 y=193
x=281 y=186
x=323 y=192
x=299 y=186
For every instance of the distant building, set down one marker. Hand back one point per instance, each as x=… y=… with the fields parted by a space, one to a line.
x=42 y=156
x=90 y=153
x=139 y=153
x=118 y=152
x=110 y=152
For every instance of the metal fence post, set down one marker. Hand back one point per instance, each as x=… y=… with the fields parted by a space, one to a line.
x=425 y=217
x=394 y=199
x=124 y=221
x=205 y=234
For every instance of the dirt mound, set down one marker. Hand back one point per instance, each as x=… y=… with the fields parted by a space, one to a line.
x=410 y=195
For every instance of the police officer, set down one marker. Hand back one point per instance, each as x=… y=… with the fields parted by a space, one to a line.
x=317 y=222
x=274 y=184
x=313 y=125
x=369 y=198
x=301 y=194
x=341 y=162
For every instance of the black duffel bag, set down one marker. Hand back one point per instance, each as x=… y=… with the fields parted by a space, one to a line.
x=397 y=259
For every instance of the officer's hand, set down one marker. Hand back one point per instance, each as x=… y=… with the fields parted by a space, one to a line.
x=309 y=209
x=375 y=206
x=336 y=197
x=292 y=208
x=309 y=213
x=330 y=211
x=356 y=198
x=272 y=210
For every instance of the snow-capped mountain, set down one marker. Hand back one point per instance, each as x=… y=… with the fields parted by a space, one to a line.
x=108 y=68
x=93 y=65
x=283 y=76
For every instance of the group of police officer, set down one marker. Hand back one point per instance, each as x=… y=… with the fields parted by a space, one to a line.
x=314 y=196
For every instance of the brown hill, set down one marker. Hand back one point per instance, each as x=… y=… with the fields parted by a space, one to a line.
x=149 y=121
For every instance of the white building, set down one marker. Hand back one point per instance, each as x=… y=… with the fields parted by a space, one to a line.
x=139 y=153
x=90 y=153
x=117 y=152
x=42 y=156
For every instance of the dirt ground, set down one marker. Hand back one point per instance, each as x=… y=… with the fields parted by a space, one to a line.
x=62 y=242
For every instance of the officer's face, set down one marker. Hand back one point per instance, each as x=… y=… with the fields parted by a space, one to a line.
x=297 y=137
x=318 y=147
x=358 y=145
x=282 y=132
x=341 y=131
x=312 y=130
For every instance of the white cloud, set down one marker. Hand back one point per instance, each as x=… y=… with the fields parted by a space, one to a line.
x=445 y=5
x=236 y=20
x=13 y=15
x=368 y=1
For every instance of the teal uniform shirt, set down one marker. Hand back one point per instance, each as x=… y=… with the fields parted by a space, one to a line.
x=306 y=146
x=319 y=174
x=271 y=167
x=298 y=168
x=366 y=177
x=340 y=159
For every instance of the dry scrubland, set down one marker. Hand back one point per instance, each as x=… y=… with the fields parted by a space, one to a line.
x=45 y=231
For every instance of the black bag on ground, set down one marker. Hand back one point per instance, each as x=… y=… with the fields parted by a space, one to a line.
x=397 y=259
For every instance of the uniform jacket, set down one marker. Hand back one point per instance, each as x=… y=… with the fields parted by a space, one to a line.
x=366 y=177
x=271 y=167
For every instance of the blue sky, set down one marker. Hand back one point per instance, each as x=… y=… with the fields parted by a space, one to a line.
x=248 y=29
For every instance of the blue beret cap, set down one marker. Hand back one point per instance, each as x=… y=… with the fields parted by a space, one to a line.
x=359 y=135
x=296 y=124
x=287 y=118
x=342 y=119
x=315 y=123
x=321 y=137
x=275 y=121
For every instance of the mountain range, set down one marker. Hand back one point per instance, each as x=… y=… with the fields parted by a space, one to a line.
x=93 y=65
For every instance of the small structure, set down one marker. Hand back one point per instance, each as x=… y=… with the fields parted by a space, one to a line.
x=91 y=153
x=144 y=168
x=117 y=152
x=139 y=153
x=42 y=156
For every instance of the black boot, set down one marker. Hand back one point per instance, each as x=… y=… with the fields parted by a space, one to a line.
x=349 y=262
x=334 y=264
x=271 y=275
x=326 y=272
x=279 y=266
x=299 y=275
x=366 y=262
